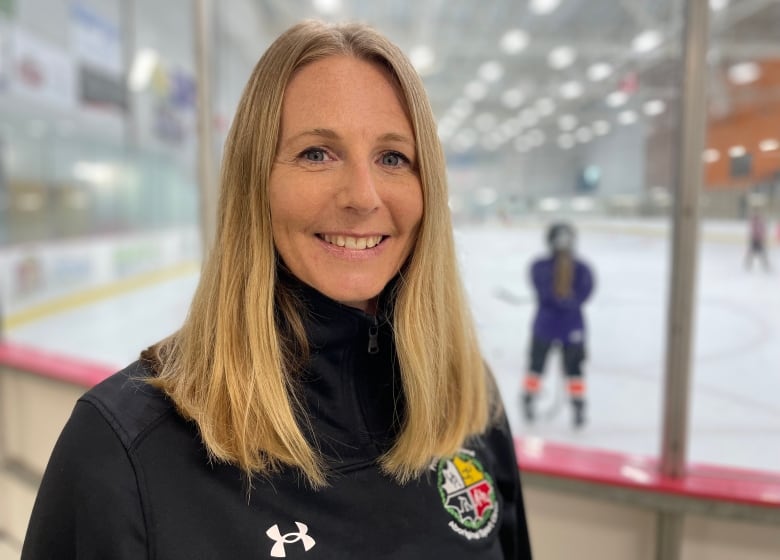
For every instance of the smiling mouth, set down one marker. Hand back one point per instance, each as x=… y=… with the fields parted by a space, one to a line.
x=349 y=242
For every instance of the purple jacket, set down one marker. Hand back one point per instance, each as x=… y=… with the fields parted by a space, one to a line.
x=557 y=318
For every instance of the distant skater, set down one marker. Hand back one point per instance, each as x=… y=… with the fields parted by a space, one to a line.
x=562 y=283
x=757 y=240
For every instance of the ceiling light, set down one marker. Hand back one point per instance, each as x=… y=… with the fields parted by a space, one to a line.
x=476 y=90
x=565 y=141
x=584 y=134
x=327 y=6
x=528 y=117
x=710 y=155
x=654 y=107
x=627 y=117
x=561 y=57
x=617 y=98
x=550 y=204
x=768 y=145
x=567 y=122
x=599 y=71
x=718 y=5
x=737 y=151
x=646 y=41
x=491 y=71
x=462 y=108
x=144 y=64
x=514 y=41
x=744 y=73
x=600 y=128
x=422 y=57
x=545 y=106
x=571 y=90
x=485 y=121
x=464 y=140
x=513 y=98
x=543 y=6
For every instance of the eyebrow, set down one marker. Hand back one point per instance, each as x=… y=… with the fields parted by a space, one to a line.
x=330 y=134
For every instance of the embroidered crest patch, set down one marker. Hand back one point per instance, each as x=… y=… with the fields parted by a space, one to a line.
x=468 y=494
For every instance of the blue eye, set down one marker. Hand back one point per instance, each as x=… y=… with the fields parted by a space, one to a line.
x=393 y=159
x=314 y=154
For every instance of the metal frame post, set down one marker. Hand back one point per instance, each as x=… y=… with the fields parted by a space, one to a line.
x=684 y=256
x=208 y=188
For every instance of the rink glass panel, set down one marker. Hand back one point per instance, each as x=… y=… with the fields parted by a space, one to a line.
x=529 y=141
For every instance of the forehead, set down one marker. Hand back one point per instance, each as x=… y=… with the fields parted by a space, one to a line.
x=344 y=87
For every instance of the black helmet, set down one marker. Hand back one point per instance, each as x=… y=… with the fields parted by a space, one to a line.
x=560 y=237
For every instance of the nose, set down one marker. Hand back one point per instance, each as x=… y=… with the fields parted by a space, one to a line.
x=358 y=191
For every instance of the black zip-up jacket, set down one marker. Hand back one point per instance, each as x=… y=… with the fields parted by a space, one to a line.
x=129 y=478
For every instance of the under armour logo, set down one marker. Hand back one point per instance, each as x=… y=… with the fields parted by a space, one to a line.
x=277 y=550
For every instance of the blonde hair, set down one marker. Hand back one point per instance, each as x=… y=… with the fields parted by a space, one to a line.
x=232 y=366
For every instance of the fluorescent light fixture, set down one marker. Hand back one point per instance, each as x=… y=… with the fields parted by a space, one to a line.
x=327 y=6
x=654 y=107
x=485 y=121
x=423 y=58
x=565 y=141
x=601 y=127
x=549 y=204
x=718 y=5
x=737 y=151
x=545 y=106
x=627 y=117
x=476 y=90
x=464 y=140
x=513 y=98
x=561 y=57
x=567 y=122
x=528 y=117
x=542 y=7
x=96 y=173
x=491 y=71
x=646 y=41
x=514 y=41
x=599 y=71
x=142 y=69
x=710 y=155
x=617 y=98
x=583 y=134
x=582 y=204
x=462 y=108
x=768 y=145
x=571 y=90
x=744 y=73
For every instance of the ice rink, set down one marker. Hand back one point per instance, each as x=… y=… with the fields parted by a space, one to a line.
x=735 y=416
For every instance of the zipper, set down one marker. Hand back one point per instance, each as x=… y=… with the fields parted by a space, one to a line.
x=373 y=337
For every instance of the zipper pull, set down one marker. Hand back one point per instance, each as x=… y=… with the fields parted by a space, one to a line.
x=373 y=338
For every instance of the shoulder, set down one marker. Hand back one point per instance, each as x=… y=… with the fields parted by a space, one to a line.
x=128 y=403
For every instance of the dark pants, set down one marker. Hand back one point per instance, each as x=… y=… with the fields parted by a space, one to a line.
x=573 y=356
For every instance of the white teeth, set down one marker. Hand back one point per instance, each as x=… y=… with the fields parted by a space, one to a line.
x=353 y=242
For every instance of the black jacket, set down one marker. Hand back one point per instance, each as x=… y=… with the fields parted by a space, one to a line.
x=129 y=478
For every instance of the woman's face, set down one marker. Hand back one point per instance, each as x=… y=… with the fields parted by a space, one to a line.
x=346 y=200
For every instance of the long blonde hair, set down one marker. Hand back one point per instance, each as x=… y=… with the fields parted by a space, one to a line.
x=232 y=367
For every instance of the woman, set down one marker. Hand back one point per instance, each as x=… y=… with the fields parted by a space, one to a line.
x=563 y=283
x=325 y=397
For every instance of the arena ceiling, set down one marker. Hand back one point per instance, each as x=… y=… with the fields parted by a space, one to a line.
x=511 y=74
